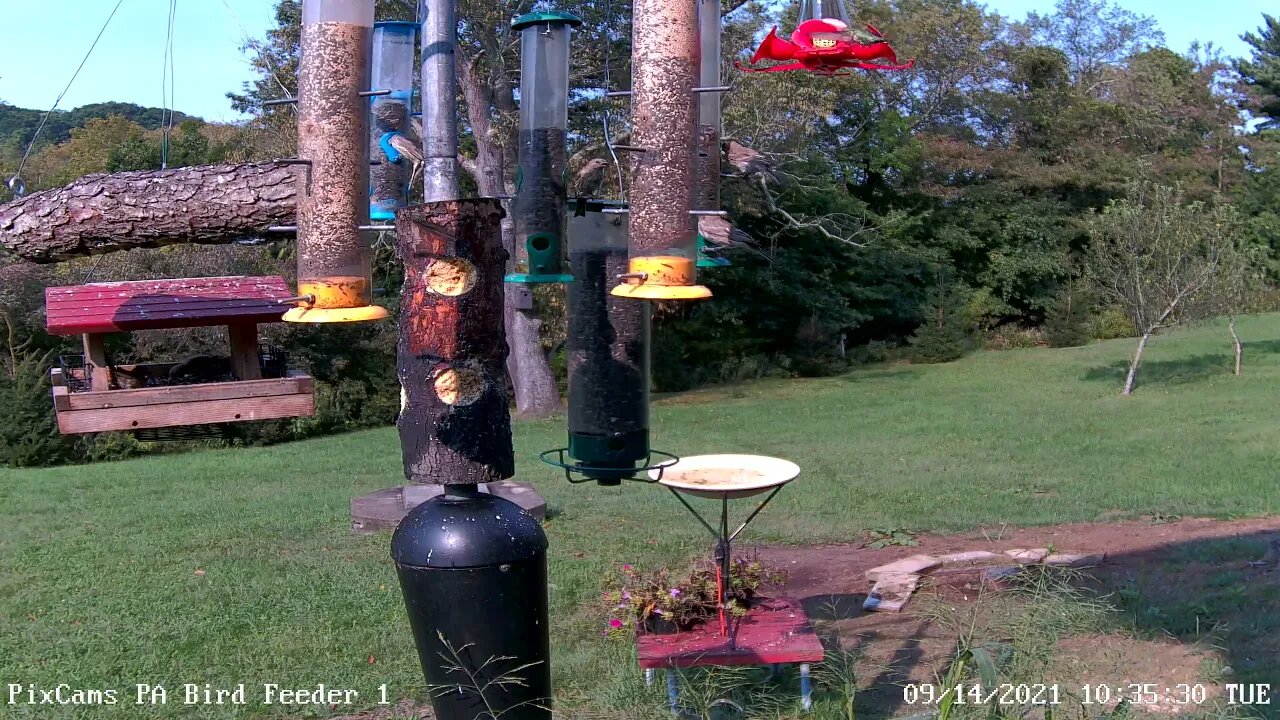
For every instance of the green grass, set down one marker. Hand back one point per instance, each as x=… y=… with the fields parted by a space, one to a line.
x=98 y=584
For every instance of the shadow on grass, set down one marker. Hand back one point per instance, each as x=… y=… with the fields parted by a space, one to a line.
x=1164 y=372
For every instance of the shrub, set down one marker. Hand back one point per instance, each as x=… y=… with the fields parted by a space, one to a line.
x=1066 y=323
x=1013 y=337
x=945 y=333
x=1111 y=324
x=29 y=433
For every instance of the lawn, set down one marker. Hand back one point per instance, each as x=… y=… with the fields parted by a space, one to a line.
x=237 y=566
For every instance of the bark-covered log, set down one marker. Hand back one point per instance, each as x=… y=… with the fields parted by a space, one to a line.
x=101 y=213
x=455 y=424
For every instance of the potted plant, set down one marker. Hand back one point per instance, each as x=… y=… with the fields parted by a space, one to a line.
x=658 y=603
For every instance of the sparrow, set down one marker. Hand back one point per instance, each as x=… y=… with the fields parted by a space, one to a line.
x=411 y=150
x=722 y=236
x=748 y=162
x=590 y=179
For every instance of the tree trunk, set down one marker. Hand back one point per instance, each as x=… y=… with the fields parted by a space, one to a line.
x=455 y=425
x=1133 y=366
x=1235 y=342
x=102 y=213
x=528 y=366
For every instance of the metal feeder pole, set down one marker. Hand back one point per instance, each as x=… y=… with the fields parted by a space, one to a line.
x=439 y=100
x=472 y=566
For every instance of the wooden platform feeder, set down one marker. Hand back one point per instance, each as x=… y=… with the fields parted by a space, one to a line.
x=99 y=397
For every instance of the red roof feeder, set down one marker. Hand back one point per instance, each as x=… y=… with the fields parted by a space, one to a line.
x=827 y=46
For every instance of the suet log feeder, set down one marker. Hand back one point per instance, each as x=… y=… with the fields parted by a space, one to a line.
x=333 y=129
x=539 y=207
x=394 y=43
x=665 y=71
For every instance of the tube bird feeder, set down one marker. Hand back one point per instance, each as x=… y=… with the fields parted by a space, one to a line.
x=709 y=122
x=333 y=130
x=539 y=207
x=608 y=354
x=393 y=48
x=663 y=244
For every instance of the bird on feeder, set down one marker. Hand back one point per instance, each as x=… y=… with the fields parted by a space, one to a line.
x=827 y=46
x=748 y=162
x=590 y=179
x=404 y=139
x=722 y=235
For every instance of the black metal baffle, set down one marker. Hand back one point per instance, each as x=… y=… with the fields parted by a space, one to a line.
x=473 y=569
x=608 y=345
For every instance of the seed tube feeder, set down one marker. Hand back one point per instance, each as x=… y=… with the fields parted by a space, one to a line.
x=709 y=122
x=333 y=130
x=663 y=247
x=393 y=69
x=608 y=356
x=539 y=207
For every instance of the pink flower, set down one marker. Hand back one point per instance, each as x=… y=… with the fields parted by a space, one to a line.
x=659 y=612
x=615 y=623
x=626 y=595
x=626 y=568
x=675 y=592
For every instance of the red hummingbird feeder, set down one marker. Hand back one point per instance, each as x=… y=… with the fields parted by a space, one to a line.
x=824 y=44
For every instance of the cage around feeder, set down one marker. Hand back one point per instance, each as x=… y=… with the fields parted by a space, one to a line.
x=394 y=43
x=608 y=356
x=334 y=277
x=539 y=207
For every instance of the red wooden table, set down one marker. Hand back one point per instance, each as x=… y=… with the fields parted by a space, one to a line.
x=775 y=632
x=239 y=303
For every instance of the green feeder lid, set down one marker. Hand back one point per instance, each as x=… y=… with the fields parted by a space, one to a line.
x=551 y=16
x=535 y=279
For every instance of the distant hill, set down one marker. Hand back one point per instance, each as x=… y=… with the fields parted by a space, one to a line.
x=18 y=124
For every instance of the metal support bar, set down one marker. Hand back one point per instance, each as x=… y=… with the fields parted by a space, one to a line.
x=303 y=162
x=715 y=89
x=280 y=101
x=673 y=691
x=696 y=514
x=629 y=148
x=618 y=93
x=615 y=211
x=755 y=512
x=712 y=213
x=376 y=228
x=374 y=93
x=806 y=688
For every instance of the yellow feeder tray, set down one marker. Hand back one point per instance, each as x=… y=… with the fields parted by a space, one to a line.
x=661 y=277
x=335 y=300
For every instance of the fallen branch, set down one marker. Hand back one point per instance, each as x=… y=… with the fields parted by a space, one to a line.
x=102 y=213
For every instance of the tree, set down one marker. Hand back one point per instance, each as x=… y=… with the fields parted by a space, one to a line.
x=1094 y=35
x=1160 y=259
x=1262 y=72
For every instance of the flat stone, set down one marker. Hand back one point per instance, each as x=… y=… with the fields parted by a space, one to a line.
x=384 y=509
x=968 y=558
x=1075 y=560
x=999 y=575
x=1028 y=557
x=891 y=592
x=915 y=564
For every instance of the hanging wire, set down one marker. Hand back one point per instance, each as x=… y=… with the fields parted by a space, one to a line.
x=15 y=182
x=167 y=90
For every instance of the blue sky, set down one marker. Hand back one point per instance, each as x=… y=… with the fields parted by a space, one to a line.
x=36 y=60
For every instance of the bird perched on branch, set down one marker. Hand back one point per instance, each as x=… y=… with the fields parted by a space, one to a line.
x=748 y=162
x=590 y=179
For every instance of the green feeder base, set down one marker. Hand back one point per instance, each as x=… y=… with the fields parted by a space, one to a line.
x=705 y=260
x=535 y=279
x=609 y=459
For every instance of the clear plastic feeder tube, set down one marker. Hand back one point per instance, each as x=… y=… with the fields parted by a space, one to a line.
x=394 y=44
x=333 y=131
x=539 y=208
x=608 y=352
x=666 y=61
x=709 y=123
